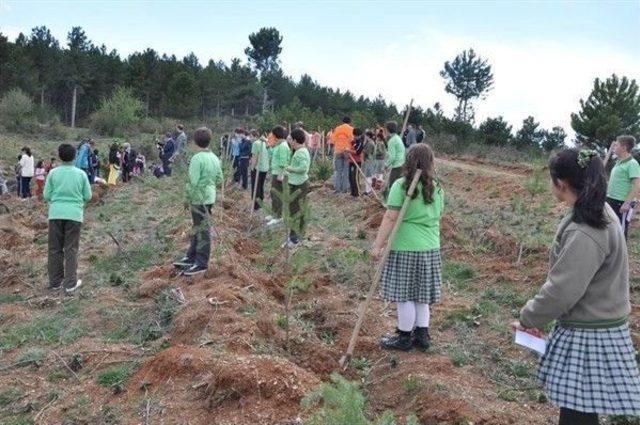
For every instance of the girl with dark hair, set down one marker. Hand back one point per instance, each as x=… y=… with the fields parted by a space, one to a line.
x=412 y=275
x=589 y=367
x=27 y=171
x=40 y=176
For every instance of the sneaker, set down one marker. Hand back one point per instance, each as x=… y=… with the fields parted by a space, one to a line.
x=273 y=222
x=268 y=218
x=74 y=287
x=421 y=338
x=400 y=341
x=53 y=288
x=183 y=263
x=194 y=270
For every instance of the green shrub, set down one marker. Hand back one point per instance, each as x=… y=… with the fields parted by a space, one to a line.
x=117 y=113
x=115 y=377
x=344 y=403
x=17 y=111
x=322 y=170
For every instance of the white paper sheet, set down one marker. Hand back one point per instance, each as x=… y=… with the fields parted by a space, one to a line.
x=533 y=342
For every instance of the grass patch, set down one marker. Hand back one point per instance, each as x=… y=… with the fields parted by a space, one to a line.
x=411 y=384
x=458 y=274
x=61 y=327
x=10 y=396
x=116 y=377
x=11 y=298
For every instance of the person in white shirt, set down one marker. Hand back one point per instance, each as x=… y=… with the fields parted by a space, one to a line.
x=27 y=171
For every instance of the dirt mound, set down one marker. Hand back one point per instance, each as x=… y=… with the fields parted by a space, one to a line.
x=151 y=287
x=503 y=245
x=273 y=388
x=177 y=362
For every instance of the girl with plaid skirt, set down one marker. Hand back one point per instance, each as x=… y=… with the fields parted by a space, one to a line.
x=589 y=367
x=412 y=275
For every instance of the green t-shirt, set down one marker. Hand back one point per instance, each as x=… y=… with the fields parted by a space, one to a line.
x=395 y=152
x=204 y=173
x=621 y=179
x=259 y=148
x=299 y=168
x=420 y=228
x=66 y=190
x=280 y=157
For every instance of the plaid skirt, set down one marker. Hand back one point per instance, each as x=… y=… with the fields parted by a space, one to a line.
x=592 y=371
x=412 y=276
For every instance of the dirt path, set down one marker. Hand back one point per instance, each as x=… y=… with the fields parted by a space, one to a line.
x=480 y=168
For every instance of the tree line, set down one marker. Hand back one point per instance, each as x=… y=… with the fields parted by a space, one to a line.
x=76 y=79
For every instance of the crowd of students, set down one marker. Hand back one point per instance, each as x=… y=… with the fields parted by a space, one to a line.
x=589 y=367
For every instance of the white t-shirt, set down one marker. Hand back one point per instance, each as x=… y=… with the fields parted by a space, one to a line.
x=26 y=162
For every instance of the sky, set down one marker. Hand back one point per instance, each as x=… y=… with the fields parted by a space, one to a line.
x=544 y=54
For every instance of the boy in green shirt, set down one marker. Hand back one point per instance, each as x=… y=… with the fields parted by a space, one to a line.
x=395 y=155
x=204 y=174
x=67 y=190
x=624 y=183
x=259 y=167
x=298 y=173
x=280 y=158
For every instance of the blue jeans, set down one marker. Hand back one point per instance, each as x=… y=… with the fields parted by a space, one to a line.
x=341 y=175
x=25 y=187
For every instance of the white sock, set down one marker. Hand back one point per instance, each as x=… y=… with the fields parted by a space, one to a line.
x=406 y=316
x=423 y=314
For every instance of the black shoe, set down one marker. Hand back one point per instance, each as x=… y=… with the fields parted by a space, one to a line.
x=400 y=341
x=183 y=263
x=194 y=270
x=421 y=338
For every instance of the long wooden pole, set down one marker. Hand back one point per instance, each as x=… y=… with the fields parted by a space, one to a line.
x=406 y=118
x=344 y=361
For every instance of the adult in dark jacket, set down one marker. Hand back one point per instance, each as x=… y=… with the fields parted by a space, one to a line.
x=128 y=162
x=168 y=150
x=242 y=172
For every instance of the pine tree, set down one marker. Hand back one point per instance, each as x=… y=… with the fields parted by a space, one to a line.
x=529 y=135
x=612 y=108
x=468 y=77
x=495 y=131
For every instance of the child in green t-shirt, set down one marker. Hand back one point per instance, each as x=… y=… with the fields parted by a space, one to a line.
x=412 y=275
x=260 y=159
x=280 y=157
x=67 y=190
x=204 y=174
x=298 y=173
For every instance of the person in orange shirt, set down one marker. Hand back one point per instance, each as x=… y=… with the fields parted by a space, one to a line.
x=342 y=137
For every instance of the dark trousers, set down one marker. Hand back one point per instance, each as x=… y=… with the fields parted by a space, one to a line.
x=615 y=204
x=276 y=203
x=19 y=186
x=573 y=417
x=166 y=167
x=64 y=240
x=298 y=196
x=353 y=179
x=236 y=175
x=200 y=248
x=262 y=176
x=394 y=175
x=126 y=173
x=25 y=187
x=243 y=172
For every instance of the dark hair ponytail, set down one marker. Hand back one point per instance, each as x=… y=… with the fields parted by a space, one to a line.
x=583 y=171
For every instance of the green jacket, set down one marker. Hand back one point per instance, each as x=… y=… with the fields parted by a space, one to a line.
x=395 y=152
x=204 y=173
x=66 y=190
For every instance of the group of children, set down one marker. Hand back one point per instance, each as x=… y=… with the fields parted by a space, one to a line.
x=26 y=171
x=123 y=163
x=589 y=367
